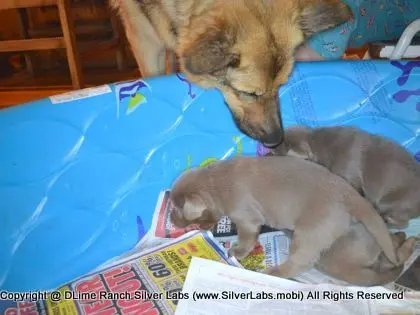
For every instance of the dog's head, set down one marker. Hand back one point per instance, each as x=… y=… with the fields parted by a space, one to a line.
x=191 y=209
x=246 y=49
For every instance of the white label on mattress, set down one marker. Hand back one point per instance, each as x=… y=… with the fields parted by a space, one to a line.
x=80 y=94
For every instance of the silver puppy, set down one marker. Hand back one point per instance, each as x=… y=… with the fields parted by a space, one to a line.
x=284 y=193
x=357 y=258
x=380 y=169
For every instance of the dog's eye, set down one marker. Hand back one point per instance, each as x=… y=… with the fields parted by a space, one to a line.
x=245 y=94
x=250 y=94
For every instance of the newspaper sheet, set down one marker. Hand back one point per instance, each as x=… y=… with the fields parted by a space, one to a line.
x=147 y=282
x=216 y=289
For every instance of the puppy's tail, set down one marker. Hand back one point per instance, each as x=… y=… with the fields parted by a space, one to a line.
x=375 y=225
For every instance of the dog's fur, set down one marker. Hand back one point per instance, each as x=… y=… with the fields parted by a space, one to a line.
x=245 y=48
x=284 y=193
x=380 y=169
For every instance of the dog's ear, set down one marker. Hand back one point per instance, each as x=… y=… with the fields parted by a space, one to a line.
x=194 y=207
x=320 y=15
x=210 y=53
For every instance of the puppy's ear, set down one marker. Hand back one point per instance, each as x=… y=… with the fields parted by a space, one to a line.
x=207 y=219
x=210 y=53
x=320 y=15
x=194 y=207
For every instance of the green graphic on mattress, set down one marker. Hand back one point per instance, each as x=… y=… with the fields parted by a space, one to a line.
x=211 y=160
x=135 y=97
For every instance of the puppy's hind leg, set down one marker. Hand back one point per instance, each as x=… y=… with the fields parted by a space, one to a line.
x=305 y=250
x=314 y=233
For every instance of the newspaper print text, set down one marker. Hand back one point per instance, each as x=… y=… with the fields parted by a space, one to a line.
x=121 y=282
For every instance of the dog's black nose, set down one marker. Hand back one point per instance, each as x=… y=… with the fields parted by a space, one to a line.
x=272 y=134
x=273 y=140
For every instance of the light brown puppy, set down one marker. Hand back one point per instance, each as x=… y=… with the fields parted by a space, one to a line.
x=356 y=258
x=380 y=169
x=284 y=193
x=245 y=48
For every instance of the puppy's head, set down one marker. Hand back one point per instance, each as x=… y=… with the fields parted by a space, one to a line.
x=246 y=49
x=191 y=209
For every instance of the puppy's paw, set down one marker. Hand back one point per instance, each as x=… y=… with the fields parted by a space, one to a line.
x=412 y=242
x=398 y=238
x=406 y=249
x=239 y=252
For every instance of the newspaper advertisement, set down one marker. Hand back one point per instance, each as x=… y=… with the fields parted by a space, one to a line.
x=227 y=290
x=147 y=282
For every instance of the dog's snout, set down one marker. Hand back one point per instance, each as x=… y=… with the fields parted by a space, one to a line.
x=262 y=121
x=272 y=133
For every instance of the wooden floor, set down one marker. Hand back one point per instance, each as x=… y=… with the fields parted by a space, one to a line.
x=23 y=88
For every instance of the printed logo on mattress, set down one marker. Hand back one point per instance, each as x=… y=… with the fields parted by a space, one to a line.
x=80 y=174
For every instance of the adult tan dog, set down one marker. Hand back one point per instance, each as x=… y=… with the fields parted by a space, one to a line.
x=245 y=48
x=284 y=193
x=381 y=170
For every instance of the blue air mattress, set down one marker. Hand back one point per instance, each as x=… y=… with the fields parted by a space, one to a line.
x=80 y=172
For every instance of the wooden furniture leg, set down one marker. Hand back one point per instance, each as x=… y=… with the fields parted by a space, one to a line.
x=23 y=25
x=69 y=34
